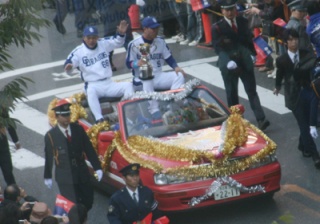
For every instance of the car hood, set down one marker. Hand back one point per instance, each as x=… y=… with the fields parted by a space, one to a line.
x=209 y=140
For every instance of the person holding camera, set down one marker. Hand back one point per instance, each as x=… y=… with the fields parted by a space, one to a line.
x=13 y=195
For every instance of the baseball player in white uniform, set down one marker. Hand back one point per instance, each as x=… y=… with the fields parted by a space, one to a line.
x=159 y=53
x=92 y=59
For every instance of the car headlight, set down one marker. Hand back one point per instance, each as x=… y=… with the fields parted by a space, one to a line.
x=265 y=161
x=162 y=179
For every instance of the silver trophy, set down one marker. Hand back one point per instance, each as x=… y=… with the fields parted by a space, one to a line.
x=145 y=69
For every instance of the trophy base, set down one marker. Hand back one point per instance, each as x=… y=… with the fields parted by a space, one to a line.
x=146 y=73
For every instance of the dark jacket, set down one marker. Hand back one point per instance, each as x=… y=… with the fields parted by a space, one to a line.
x=230 y=45
x=123 y=210
x=224 y=38
x=295 y=78
x=69 y=157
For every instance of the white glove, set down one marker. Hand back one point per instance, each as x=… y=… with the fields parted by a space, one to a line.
x=140 y=2
x=232 y=65
x=313 y=132
x=99 y=174
x=48 y=183
x=254 y=59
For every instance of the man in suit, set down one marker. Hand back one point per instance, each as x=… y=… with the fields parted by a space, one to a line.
x=134 y=202
x=295 y=68
x=232 y=41
x=68 y=144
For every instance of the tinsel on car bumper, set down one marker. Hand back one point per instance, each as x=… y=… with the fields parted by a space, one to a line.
x=225 y=180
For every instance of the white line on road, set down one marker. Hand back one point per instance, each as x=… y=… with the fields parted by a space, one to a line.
x=24 y=159
x=39 y=67
x=211 y=74
x=31 y=118
x=79 y=87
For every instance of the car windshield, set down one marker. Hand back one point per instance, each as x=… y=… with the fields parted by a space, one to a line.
x=197 y=111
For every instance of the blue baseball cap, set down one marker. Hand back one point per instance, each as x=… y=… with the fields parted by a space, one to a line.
x=150 y=22
x=90 y=31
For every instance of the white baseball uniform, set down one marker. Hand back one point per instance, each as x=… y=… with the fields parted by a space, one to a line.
x=159 y=53
x=96 y=72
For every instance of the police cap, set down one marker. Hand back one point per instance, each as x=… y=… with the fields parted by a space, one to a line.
x=227 y=4
x=130 y=169
x=295 y=5
x=62 y=107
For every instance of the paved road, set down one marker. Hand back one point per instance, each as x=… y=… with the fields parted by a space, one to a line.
x=300 y=192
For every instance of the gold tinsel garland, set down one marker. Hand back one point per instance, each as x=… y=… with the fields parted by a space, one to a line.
x=228 y=168
x=236 y=135
x=236 y=132
x=158 y=149
x=93 y=133
x=129 y=155
x=51 y=114
x=77 y=111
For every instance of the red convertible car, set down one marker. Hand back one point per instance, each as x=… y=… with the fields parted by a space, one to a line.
x=193 y=151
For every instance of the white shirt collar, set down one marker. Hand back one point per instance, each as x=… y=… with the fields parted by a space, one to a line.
x=63 y=130
x=229 y=21
x=131 y=192
x=291 y=55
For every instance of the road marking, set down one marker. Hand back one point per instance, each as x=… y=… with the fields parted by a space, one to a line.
x=34 y=68
x=64 y=76
x=78 y=87
x=212 y=75
x=31 y=118
x=293 y=188
x=25 y=159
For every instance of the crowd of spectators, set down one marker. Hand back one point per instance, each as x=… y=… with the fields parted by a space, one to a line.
x=18 y=207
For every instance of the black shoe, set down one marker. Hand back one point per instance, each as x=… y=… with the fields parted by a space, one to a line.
x=316 y=160
x=263 y=124
x=205 y=44
x=114 y=68
x=306 y=154
x=60 y=27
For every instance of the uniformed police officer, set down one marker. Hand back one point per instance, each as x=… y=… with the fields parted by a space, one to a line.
x=134 y=202
x=68 y=144
x=232 y=41
x=297 y=22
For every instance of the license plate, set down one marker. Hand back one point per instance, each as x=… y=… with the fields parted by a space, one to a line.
x=226 y=191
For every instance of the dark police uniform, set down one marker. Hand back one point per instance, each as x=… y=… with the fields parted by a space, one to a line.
x=5 y=159
x=5 y=156
x=237 y=46
x=71 y=171
x=124 y=210
x=298 y=24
